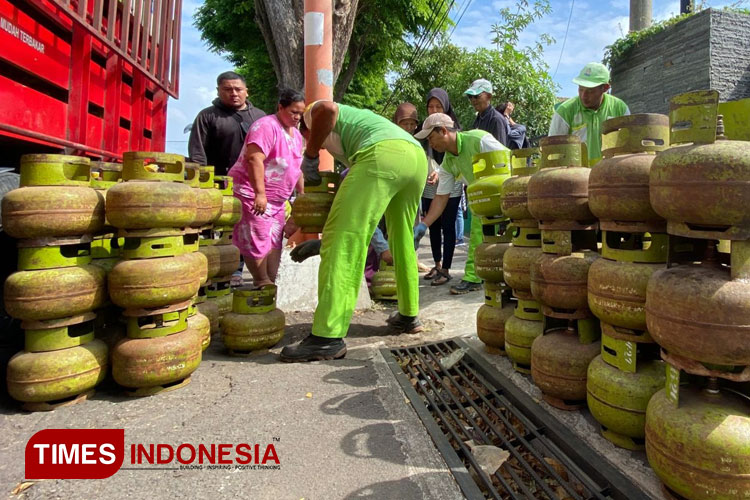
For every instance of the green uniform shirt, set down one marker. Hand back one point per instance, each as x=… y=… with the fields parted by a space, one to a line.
x=461 y=166
x=357 y=129
x=572 y=118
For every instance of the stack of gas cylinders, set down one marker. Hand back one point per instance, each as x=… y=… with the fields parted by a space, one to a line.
x=491 y=170
x=634 y=246
x=558 y=200
x=55 y=214
x=525 y=325
x=216 y=245
x=158 y=276
x=698 y=307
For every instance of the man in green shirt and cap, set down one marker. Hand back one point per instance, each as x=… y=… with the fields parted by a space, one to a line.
x=459 y=149
x=583 y=115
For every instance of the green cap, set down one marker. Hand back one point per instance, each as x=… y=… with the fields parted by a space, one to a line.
x=479 y=86
x=592 y=75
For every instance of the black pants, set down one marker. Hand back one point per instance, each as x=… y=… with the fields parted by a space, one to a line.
x=443 y=231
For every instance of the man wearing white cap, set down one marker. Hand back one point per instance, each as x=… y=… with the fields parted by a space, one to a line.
x=488 y=118
x=583 y=115
x=459 y=149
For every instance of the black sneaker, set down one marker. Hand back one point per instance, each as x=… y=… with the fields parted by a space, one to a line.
x=314 y=348
x=465 y=287
x=404 y=324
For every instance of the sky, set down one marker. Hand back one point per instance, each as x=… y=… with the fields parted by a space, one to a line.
x=594 y=25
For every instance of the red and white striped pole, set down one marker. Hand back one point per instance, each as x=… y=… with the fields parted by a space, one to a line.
x=319 y=58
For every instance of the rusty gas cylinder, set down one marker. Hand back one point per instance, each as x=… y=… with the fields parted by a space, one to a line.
x=515 y=191
x=491 y=170
x=383 y=283
x=620 y=383
x=231 y=206
x=700 y=448
x=559 y=191
x=229 y=259
x=153 y=194
x=559 y=364
x=56 y=280
x=50 y=376
x=254 y=322
x=161 y=281
x=488 y=257
x=560 y=282
x=200 y=324
x=220 y=293
x=520 y=331
x=310 y=210
x=491 y=326
x=208 y=308
x=517 y=260
x=702 y=311
x=54 y=199
x=150 y=365
x=213 y=257
x=617 y=282
x=208 y=202
x=618 y=184
x=700 y=184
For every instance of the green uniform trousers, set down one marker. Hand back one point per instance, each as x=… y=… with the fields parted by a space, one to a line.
x=475 y=239
x=386 y=177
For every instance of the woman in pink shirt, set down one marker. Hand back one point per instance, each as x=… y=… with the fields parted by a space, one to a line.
x=265 y=175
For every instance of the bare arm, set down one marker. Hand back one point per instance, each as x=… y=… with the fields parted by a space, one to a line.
x=256 y=171
x=436 y=209
x=324 y=115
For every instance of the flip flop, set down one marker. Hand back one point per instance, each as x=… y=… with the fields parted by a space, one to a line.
x=432 y=274
x=442 y=279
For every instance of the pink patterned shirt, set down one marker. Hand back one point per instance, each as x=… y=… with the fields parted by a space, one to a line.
x=282 y=164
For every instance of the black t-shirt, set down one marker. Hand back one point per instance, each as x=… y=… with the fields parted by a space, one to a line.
x=218 y=135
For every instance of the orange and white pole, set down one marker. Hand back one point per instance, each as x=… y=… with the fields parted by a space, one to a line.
x=319 y=58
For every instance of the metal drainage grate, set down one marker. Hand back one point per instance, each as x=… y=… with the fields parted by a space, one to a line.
x=461 y=398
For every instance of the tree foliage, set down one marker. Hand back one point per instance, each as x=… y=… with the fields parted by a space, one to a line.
x=379 y=36
x=518 y=74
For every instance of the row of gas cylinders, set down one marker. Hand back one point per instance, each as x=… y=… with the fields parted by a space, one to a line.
x=137 y=250
x=689 y=295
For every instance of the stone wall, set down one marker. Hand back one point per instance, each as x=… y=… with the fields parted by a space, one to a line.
x=671 y=62
x=730 y=54
x=708 y=50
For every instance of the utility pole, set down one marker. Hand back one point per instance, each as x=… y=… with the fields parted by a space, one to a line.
x=319 y=58
x=640 y=14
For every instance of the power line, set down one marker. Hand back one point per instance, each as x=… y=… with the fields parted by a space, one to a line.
x=420 y=48
x=570 y=16
x=466 y=7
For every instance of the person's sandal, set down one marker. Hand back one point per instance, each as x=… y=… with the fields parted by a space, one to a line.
x=432 y=274
x=444 y=278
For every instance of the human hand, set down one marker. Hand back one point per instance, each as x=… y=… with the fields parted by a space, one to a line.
x=419 y=233
x=259 y=205
x=310 y=170
x=387 y=257
x=433 y=178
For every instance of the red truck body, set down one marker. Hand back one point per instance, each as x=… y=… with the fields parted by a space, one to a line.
x=91 y=77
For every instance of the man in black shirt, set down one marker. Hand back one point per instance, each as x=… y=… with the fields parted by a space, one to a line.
x=218 y=132
x=488 y=118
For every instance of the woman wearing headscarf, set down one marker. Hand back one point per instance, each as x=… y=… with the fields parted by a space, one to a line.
x=443 y=230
